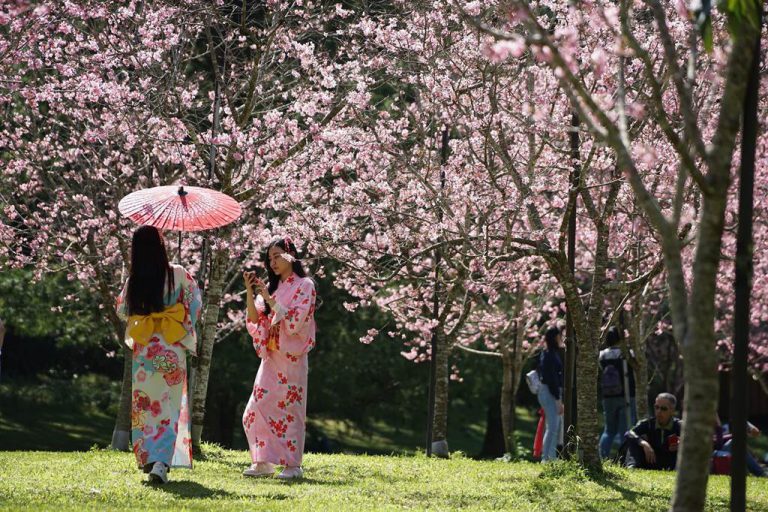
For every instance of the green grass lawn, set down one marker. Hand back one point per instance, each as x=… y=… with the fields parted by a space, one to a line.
x=100 y=479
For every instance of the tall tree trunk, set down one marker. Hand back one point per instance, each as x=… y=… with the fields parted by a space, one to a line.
x=588 y=335
x=699 y=351
x=121 y=435
x=508 y=402
x=700 y=359
x=586 y=398
x=210 y=319
x=512 y=361
x=440 y=420
x=637 y=342
x=588 y=430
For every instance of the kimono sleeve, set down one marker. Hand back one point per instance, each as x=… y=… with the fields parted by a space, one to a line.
x=121 y=307
x=193 y=300
x=298 y=319
x=259 y=330
x=189 y=296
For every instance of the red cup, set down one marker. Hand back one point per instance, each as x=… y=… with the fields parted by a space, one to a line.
x=673 y=441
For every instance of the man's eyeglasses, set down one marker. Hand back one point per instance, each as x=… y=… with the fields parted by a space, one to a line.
x=663 y=408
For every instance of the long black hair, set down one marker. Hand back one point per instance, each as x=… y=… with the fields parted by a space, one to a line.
x=148 y=273
x=550 y=337
x=273 y=279
x=613 y=337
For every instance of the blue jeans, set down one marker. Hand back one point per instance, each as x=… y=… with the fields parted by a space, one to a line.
x=615 y=422
x=753 y=466
x=552 y=420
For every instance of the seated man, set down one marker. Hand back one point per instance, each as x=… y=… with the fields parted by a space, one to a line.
x=653 y=442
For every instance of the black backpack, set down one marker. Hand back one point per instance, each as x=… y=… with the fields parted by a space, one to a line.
x=611 y=380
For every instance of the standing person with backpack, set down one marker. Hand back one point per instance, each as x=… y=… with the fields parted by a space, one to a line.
x=617 y=385
x=549 y=393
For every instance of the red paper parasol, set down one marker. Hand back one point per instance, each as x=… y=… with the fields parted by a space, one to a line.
x=180 y=208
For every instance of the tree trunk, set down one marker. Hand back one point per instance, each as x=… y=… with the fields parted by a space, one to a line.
x=699 y=351
x=210 y=320
x=588 y=335
x=700 y=359
x=512 y=361
x=508 y=403
x=587 y=430
x=586 y=398
x=637 y=343
x=121 y=435
x=440 y=420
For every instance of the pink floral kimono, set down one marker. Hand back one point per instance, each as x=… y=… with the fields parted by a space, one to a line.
x=274 y=419
x=160 y=429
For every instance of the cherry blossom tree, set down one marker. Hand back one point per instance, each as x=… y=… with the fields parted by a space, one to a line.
x=106 y=97
x=430 y=147
x=698 y=117
x=504 y=193
x=279 y=73
x=80 y=130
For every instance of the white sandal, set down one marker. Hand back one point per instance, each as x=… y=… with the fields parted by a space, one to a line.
x=290 y=473
x=260 y=469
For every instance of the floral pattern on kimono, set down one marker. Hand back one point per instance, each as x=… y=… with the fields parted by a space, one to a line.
x=274 y=419
x=160 y=426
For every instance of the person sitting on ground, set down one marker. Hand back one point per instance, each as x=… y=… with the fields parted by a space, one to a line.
x=723 y=442
x=653 y=442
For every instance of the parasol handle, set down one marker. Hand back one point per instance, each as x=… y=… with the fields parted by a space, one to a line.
x=181 y=193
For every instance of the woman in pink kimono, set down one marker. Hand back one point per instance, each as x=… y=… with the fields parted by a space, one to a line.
x=161 y=303
x=281 y=322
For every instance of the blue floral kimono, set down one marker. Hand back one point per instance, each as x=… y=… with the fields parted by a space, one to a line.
x=160 y=420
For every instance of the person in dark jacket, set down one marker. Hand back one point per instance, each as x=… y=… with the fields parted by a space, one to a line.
x=653 y=442
x=550 y=392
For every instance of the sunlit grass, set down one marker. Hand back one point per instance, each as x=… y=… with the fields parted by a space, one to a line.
x=102 y=479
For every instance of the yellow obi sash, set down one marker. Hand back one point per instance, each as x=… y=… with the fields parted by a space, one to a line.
x=273 y=337
x=167 y=322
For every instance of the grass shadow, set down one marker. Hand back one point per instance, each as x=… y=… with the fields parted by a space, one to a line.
x=309 y=481
x=571 y=469
x=190 y=489
x=235 y=466
x=628 y=494
x=305 y=480
x=214 y=454
x=568 y=473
